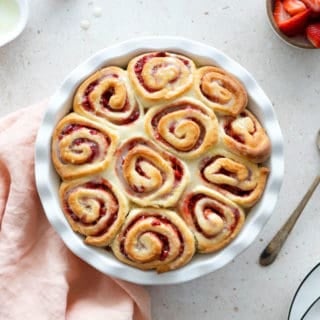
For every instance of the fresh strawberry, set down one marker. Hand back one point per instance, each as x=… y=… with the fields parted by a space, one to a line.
x=313 y=34
x=294 y=7
x=296 y=24
x=314 y=5
x=279 y=13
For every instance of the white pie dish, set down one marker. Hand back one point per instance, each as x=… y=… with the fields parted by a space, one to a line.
x=48 y=181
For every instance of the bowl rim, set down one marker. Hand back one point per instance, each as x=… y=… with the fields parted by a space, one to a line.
x=311 y=303
x=113 y=267
x=290 y=41
x=23 y=19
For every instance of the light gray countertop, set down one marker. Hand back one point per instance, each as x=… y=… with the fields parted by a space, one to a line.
x=34 y=65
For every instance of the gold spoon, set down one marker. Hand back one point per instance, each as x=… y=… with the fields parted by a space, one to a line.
x=271 y=251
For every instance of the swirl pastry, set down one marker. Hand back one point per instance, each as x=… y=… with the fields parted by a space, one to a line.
x=154 y=239
x=185 y=127
x=220 y=90
x=160 y=76
x=107 y=95
x=237 y=178
x=150 y=177
x=126 y=151
x=245 y=136
x=214 y=219
x=81 y=146
x=94 y=208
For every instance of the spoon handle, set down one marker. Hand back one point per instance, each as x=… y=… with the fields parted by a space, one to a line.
x=269 y=254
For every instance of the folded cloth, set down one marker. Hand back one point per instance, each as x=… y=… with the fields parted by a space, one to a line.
x=39 y=277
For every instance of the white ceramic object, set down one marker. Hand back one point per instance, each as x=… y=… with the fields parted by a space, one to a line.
x=19 y=26
x=48 y=181
x=306 y=301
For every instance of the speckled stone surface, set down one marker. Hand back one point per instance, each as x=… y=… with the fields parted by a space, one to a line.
x=54 y=43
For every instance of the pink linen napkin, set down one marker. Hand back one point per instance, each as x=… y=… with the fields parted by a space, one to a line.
x=39 y=277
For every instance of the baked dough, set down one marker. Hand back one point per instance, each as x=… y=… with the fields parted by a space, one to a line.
x=159 y=77
x=94 y=208
x=240 y=180
x=220 y=90
x=184 y=127
x=214 y=219
x=154 y=239
x=160 y=161
x=245 y=136
x=150 y=176
x=81 y=147
x=107 y=95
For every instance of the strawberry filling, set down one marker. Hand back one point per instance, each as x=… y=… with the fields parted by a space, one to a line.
x=141 y=62
x=102 y=209
x=213 y=207
x=156 y=119
x=155 y=220
x=231 y=189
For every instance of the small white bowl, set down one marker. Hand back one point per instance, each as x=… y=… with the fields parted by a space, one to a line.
x=20 y=25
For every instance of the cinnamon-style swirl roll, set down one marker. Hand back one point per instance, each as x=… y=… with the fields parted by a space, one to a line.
x=81 y=146
x=107 y=95
x=245 y=136
x=94 y=208
x=185 y=127
x=154 y=239
x=160 y=76
x=149 y=176
x=214 y=219
x=220 y=90
x=235 y=177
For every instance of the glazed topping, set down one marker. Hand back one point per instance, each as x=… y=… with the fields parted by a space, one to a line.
x=82 y=144
x=183 y=134
x=221 y=91
x=92 y=203
x=210 y=216
x=228 y=174
x=184 y=127
x=241 y=129
x=153 y=238
x=218 y=88
x=106 y=95
x=148 y=173
x=125 y=151
x=159 y=70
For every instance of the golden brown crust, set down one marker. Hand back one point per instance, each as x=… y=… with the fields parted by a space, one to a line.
x=150 y=176
x=81 y=147
x=237 y=178
x=107 y=96
x=245 y=136
x=128 y=148
x=94 y=208
x=154 y=239
x=158 y=77
x=214 y=219
x=184 y=127
x=220 y=90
